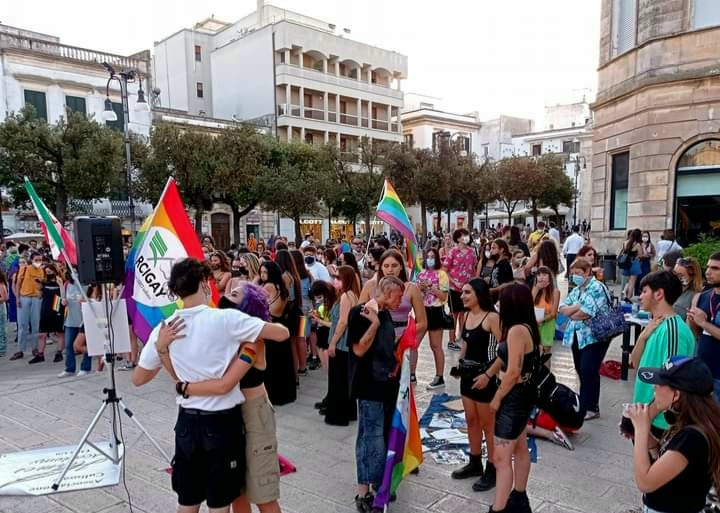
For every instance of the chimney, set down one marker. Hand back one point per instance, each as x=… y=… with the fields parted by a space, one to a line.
x=260 y=12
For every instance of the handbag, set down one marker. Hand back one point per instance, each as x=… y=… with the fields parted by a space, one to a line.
x=448 y=319
x=608 y=324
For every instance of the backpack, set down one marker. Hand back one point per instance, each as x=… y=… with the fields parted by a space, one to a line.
x=558 y=400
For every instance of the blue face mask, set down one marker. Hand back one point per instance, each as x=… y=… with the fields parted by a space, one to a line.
x=430 y=263
x=578 y=279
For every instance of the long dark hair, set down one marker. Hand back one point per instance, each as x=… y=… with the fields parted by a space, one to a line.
x=514 y=235
x=702 y=412
x=634 y=237
x=549 y=291
x=349 y=259
x=327 y=291
x=299 y=260
x=274 y=274
x=548 y=255
x=349 y=279
x=285 y=261
x=3 y=278
x=482 y=292
x=392 y=253
x=517 y=307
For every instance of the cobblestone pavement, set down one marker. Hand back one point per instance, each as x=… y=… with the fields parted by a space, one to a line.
x=39 y=410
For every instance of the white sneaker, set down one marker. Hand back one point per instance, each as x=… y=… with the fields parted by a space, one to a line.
x=65 y=374
x=83 y=373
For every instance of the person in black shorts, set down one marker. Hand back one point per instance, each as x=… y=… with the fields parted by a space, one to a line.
x=479 y=333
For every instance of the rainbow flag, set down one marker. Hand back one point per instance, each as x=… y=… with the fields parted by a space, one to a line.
x=391 y=210
x=404 y=453
x=165 y=237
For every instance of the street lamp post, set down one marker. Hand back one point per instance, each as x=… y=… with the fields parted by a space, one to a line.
x=577 y=162
x=124 y=77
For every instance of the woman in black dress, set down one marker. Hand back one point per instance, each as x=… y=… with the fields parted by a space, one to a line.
x=480 y=332
x=280 y=369
x=52 y=314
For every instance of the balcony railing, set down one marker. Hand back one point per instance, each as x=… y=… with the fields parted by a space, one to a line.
x=314 y=113
x=379 y=124
x=364 y=122
x=285 y=109
x=70 y=52
x=332 y=117
x=348 y=119
x=330 y=78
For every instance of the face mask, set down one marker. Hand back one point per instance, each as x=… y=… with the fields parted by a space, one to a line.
x=645 y=239
x=50 y=276
x=466 y=239
x=430 y=262
x=309 y=260
x=487 y=253
x=685 y=282
x=578 y=279
x=37 y=265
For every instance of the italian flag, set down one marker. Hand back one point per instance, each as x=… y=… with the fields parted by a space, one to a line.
x=57 y=236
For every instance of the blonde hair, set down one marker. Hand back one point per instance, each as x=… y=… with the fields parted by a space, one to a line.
x=252 y=263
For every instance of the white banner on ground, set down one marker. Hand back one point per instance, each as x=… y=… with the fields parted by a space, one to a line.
x=34 y=472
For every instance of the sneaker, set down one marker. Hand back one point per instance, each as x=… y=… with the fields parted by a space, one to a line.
x=83 y=373
x=561 y=439
x=590 y=415
x=58 y=357
x=437 y=382
x=302 y=372
x=413 y=379
x=314 y=363
x=454 y=346
x=17 y=356
x=37 y=358
x=364 y=503
x=127 y=366
x=65 y=374
x=320 y=404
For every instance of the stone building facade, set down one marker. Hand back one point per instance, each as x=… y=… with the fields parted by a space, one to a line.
x=656 y=140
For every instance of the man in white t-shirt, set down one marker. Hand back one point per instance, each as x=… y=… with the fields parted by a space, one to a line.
x=666 y=244
x=318 y=271
x=209 y=461
x=572 y=245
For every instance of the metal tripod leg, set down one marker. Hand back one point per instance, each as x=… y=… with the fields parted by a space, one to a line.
x=81 y=444
x=130 y=414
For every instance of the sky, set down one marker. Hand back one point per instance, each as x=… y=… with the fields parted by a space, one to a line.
x=496 y=57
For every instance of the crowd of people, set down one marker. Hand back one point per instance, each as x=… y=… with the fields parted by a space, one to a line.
x=340 y=308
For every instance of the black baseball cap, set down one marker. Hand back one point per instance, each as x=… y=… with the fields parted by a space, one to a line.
x=682 y=373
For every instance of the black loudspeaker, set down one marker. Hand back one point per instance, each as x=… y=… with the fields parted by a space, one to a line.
x=99 y=249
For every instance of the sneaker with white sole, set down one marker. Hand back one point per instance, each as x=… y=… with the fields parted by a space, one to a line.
x=65 y=374
x=561 y=439
x=454 y=346
x=437 y=382
x=83 y=373
x=590 y=415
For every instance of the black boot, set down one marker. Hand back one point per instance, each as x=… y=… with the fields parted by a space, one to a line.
x=518 y=502
x=504 y=510
x=487 y=481
x=473 y=469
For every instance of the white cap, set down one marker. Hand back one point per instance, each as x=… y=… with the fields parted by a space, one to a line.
x=304 y=244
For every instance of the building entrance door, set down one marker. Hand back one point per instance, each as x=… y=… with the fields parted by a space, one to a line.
x=220 y=229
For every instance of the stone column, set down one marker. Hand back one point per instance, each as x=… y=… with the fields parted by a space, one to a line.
x=325 y=65
x=337 y=68
x=302 y=101
x=337 y=108
x=389 y=117
x=369 y=72
x=288 y=99
x=370 y=116
x=359 y=112
x=302 y=134
x=287 y=56
x=325 y=108
x=289 y=133
x=327 y=136
x=300 y=59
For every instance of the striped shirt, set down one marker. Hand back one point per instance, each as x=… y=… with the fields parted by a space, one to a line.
x=671 y=337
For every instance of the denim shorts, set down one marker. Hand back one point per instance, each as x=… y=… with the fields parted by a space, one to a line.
x=370 y=443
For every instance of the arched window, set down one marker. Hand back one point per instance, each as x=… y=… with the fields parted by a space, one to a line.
x=698 y=191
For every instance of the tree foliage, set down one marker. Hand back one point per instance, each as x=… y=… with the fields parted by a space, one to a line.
x=73 y=158
x=513 y=176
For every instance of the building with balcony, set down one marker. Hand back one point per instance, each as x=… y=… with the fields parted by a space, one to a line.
x=39 y=70
x=656 y=148
x=295 y=73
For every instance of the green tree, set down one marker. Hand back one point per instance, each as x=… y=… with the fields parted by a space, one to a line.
x=293 y=182
x=402 y=168
x=476 y=187
x=559 y=189
x=368 y=181
x=431 y=184
x=243 y=157
x=512 y=178
x=74 y=158
x=191 y=157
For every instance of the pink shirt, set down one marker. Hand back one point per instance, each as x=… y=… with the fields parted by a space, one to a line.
x=460 y=264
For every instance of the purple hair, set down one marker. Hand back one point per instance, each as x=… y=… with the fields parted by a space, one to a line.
x=255 y=302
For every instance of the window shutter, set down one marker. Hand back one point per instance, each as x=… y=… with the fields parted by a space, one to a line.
x=706 y=13
x=624 y=21
x=37 y=100
x=76 y=104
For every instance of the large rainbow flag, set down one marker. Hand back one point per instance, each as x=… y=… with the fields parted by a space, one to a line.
x=391 y=210
x=165 y=237
x=404 y=446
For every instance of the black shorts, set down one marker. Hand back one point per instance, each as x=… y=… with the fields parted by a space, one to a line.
x=456 y=304
x=484 y=395
x=209 y=461
x=514 y=412
x=323 y=337
x=434 y=317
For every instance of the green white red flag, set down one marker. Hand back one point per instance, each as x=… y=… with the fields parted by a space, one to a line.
x=54 y=232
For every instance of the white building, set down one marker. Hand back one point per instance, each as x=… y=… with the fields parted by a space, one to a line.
x=423 y=122
x=39 y=70
x=299 y=75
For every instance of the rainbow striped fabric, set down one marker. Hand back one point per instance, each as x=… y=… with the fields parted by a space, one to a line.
x=165 y=237
x=391 y=210
x=404 y=452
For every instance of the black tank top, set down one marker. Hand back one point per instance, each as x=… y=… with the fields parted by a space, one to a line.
x=528 y=358
x=480 y=344
x=253 y=378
